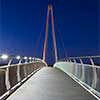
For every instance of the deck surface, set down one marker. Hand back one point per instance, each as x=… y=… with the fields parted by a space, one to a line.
x=50 y=84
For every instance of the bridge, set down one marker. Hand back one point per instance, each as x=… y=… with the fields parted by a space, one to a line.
x=71 y=78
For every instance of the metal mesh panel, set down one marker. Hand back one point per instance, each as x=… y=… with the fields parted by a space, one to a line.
x=22 y=72
x=13 y=76
x=2 y=83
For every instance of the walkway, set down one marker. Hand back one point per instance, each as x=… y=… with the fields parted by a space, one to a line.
x=50 y=84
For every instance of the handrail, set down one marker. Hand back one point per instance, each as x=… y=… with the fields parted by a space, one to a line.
x=97 y=56
x=81 y=58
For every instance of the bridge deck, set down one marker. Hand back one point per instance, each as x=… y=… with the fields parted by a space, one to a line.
x=51 y=84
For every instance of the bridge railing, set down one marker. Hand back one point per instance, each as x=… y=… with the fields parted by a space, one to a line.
x=84 y=70
x=13 y=75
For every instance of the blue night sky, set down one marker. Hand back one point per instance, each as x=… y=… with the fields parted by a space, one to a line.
x=22 y=27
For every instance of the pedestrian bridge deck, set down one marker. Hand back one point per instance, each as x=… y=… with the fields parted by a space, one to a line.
x=50 y=84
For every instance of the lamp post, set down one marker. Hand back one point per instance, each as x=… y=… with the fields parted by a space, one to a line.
x=30 y=58
x=7 y=83
x=25 y=58
x=18 y=68
x=6 y=57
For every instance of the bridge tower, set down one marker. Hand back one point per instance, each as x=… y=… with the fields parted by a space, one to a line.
x=50 y=14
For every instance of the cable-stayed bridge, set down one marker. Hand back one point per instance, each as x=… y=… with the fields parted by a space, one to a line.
x=72 y=78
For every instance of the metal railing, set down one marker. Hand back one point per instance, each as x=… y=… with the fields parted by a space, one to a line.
x=85 y=70
x=13 y=75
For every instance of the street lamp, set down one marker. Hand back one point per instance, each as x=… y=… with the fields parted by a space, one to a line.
x=18 y=57
x=4 y=57
x=7 y=82
x=25 y=58
x=30 y=58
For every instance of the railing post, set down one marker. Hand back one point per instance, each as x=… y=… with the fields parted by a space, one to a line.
x=94 y=81
x=26 y=61
x=70 y=60
x=33 y=59
x=30 y=61
x=66 y=60
x=75 y=67
x=7 y=82
x=18 y=71
x=83 y=70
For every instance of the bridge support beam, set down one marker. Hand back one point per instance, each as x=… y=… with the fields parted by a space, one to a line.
x=50 y=11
